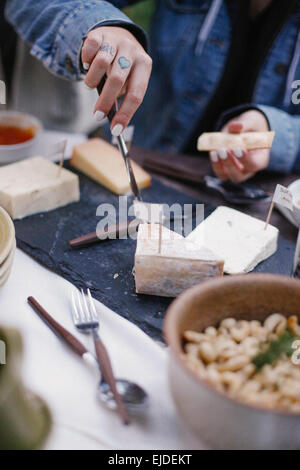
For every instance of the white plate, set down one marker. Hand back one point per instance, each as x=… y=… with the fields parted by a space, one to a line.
x=7 y=235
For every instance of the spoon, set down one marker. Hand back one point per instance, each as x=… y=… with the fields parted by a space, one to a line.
x=135 y=398
x=236 y=193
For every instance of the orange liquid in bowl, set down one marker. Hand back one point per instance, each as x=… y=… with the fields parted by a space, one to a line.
x=11 y=135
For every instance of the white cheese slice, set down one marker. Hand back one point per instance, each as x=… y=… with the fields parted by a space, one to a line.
x=239 y=239
x=36 y=185
x=169 y=268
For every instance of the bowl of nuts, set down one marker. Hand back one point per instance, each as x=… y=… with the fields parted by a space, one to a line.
x=234 y=361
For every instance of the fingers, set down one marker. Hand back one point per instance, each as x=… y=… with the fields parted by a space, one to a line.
x=115 y=52
x=100 y=65
x=238 y=165
x=226 y=166
x=136 y=89
x=90 y=48
x=235 y=127
x=217 y=165
x=116 y=79
x=234 y=168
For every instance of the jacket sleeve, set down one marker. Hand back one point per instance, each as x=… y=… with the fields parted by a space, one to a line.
x=285 y=152
x=55 y=29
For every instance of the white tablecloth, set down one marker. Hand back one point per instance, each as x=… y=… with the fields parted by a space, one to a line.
x=59 y=376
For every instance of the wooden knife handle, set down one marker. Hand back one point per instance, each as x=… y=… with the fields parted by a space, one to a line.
x=106 y=369
x=59 y=330
x=121 y=229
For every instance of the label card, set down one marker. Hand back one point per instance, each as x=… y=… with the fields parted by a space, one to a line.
x=283 y=197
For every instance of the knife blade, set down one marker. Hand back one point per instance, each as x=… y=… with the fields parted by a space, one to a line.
x=123 y=148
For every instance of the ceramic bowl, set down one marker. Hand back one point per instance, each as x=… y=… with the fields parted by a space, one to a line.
x=6 y=266
x=13 y=153
x=7 y=235
x=215 y=418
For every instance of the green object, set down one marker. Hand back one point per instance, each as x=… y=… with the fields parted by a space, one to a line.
x=141 y=13
x=25 y=420
x=275 y=349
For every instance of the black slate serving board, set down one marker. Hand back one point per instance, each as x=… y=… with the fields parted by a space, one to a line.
x=45 y=237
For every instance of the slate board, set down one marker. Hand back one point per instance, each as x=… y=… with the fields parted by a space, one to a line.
x=45 y=237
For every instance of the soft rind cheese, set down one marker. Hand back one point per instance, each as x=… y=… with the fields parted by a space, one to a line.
x=104 y=163
x=239 y=239
x=36 y=185
x=167 y=269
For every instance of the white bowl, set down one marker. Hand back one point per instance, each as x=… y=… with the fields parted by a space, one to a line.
x=216 y=418
x=7 y=235
x=13 y=153
x=7 y=246
x=8 y=262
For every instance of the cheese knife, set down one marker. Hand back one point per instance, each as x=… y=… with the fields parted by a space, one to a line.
x=123 y=148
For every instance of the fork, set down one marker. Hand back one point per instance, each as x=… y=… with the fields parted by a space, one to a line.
x=86 y=320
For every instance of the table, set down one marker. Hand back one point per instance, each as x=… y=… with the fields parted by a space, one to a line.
x=266 y=180
x=55 y=373
x=68 y=386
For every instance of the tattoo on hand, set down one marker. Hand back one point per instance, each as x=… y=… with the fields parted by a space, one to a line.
x=105 y=47
x=124 y=63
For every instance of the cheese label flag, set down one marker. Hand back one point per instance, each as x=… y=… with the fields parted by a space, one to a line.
x=283 y=197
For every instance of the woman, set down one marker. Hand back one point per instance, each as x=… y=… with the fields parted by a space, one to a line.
x=229 y=64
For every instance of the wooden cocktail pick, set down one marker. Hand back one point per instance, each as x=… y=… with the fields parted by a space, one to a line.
x=283 y=197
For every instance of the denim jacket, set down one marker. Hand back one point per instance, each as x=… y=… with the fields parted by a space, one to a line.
x=189 y=44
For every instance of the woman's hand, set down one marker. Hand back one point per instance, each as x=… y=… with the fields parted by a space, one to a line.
x=240 y=164
x=115 y=52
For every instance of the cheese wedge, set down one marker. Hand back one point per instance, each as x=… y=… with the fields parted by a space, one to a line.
x=104 y=163
x=178 y=266
x=239 y=239
x=36 y=185
x=247 y=140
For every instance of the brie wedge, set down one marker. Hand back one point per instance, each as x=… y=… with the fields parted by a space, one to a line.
x=168 y=268
x=36 y=185
x=239 y=239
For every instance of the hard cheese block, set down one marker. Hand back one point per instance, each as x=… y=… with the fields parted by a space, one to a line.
x=239 y=239
x=248 y=140
x=178 y=266
x=36 y=185
x=104 y=163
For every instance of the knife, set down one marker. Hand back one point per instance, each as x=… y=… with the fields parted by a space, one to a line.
x=122 y=229
x=123 y=148
x=64 y=334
